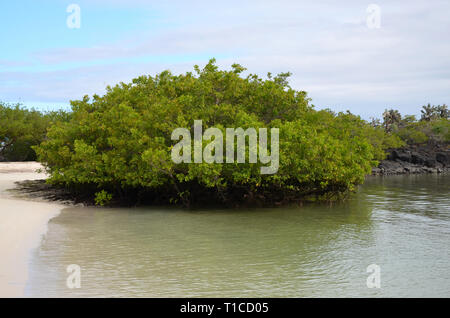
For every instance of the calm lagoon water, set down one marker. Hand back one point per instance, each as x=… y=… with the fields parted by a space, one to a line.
x=400 y=223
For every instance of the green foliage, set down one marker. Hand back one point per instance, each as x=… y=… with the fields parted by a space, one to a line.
x=20 y=129
x=412 y=134
x=102 y=198
x=433 y=126
x=435 y=130
x=121 y=142
x=440 y=130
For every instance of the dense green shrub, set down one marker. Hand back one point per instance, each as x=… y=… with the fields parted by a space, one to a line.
x=433 y=126
x=441 y=130
x=425 y=131
x=121 y=142
x=20 y=129
x=412 y=135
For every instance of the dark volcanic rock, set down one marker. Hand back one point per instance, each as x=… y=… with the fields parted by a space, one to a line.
x=443 y=157
x=402 y=155
x=415 y=159
x=430 y=163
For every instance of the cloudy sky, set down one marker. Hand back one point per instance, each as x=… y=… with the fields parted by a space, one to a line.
x=340 y=59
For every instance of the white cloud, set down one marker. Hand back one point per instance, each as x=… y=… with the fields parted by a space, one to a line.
x=326 y=45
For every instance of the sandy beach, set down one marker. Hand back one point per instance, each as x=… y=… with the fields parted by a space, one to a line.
x=22 y=225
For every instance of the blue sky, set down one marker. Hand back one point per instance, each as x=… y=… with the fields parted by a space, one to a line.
x=327 y=45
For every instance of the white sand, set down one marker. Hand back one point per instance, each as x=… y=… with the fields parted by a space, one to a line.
x=22 y=226
x=22 y=167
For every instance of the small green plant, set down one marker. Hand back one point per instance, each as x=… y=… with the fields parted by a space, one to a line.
x=102 y=198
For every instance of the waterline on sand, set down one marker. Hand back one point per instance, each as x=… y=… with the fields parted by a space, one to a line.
x=22 y=226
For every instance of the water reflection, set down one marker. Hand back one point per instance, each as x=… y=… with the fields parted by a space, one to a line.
x=400 y=223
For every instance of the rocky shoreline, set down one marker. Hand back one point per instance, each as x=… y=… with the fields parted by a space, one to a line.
x=415 y=159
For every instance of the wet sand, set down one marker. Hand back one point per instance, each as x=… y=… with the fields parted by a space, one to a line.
x=22 y=226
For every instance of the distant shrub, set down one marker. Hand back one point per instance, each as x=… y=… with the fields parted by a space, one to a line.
x=425 y=131
x=412 y=135
x=441 y=130
x=21 y=129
